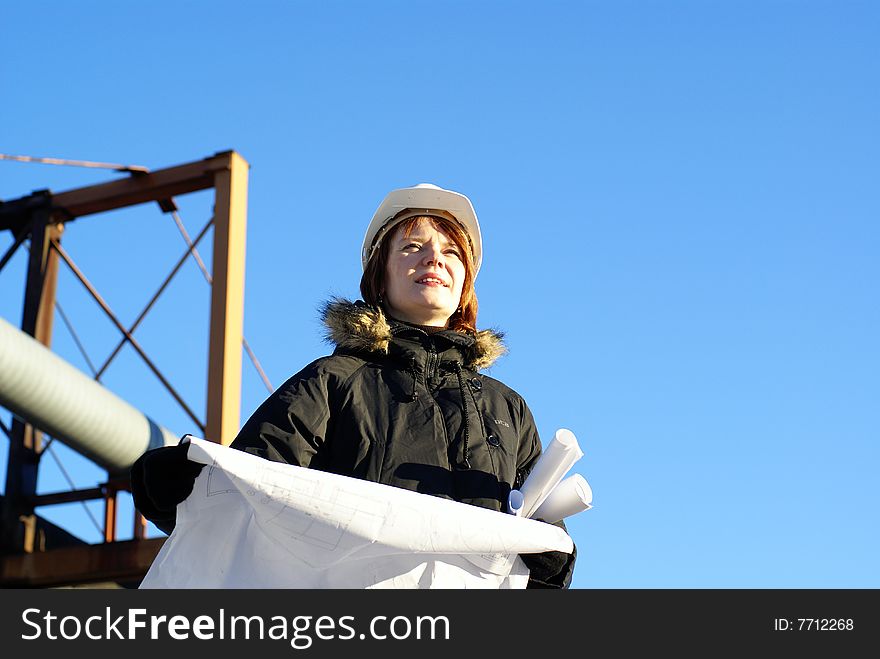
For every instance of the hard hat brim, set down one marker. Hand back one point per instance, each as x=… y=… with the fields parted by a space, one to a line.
x=425 y=197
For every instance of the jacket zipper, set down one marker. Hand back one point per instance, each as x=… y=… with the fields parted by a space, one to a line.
x=431 y=367
x=433 y=358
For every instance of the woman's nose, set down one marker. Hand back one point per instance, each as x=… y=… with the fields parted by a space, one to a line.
x=434 y=254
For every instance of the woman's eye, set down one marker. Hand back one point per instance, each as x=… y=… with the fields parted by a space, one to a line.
x=413 y=246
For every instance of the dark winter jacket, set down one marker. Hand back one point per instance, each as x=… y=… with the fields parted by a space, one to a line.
x=396 y=405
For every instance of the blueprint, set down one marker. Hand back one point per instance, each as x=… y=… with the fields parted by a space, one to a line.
x=252 y=523
x=571 y=496
x=559 y=456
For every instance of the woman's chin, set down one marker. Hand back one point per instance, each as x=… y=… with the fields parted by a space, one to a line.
x=425 y=312
x=432 y=299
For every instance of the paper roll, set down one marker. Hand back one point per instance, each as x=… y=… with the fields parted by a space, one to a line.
x=571 y=496
x=515 y=503
x=550 y=469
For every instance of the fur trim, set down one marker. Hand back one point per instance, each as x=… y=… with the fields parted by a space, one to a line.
x=363 y=328
x=487 y=349
x=357 y=327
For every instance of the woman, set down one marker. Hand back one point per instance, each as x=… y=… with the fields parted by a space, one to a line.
x=401 y=400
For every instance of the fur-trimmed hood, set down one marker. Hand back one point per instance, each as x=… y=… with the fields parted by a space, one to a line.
x=361 y=327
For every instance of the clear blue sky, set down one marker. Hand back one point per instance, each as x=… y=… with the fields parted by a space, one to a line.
x=680 y=211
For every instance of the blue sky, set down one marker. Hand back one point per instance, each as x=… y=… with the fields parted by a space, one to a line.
x=680 y=220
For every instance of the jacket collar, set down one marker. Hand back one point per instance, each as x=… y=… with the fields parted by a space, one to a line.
x=360 y=327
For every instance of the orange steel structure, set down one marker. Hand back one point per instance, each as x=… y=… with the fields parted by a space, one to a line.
x=35 y=552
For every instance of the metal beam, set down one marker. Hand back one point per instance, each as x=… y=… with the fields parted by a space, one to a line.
x=152 y=301
x=18 y=521
x=156 y=186
x=126 y=560
x=131 y=340
x=70 y=496
x=227 y=301
x=17 y=214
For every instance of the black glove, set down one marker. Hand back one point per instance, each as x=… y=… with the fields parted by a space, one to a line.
x=161 y=479
x=550 y=569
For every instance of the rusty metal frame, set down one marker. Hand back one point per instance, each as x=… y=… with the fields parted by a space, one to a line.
x=227 y=173
x=126 y=333
x=120 y=561
x=18 y=522
x=99 y=372
x=227 y=301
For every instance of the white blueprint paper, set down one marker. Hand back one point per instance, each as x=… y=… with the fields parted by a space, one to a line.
x=252 y=523
x=544 y=495
x=559 y=456
x=571 y=496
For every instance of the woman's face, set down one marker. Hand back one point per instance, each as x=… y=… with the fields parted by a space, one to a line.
x=424 y=275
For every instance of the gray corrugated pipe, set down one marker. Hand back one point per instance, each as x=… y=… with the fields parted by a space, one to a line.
x=46 y=391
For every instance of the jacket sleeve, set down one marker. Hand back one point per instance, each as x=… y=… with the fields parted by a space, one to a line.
x=550 y=569
x=291 y=425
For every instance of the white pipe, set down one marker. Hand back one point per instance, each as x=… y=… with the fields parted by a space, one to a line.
x=46 y=391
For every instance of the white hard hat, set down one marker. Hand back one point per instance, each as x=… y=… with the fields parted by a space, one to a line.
x=423 y=197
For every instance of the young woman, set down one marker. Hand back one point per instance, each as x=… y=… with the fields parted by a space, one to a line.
x=401 y=400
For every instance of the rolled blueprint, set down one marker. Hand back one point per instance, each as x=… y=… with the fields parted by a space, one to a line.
x=550 y=469
x=571 y=496
x=515 y=502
